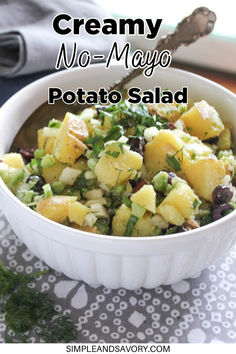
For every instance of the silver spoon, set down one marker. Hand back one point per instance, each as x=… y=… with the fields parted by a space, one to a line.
x=198 y=24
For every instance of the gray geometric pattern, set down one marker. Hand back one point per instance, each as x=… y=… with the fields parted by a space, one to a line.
x=196 y=310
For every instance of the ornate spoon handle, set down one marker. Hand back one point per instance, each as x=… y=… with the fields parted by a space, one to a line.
x=200 y=23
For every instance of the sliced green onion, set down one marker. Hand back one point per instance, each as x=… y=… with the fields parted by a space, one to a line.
x=28 y=196
x=35 y=165
x=38 y=154
x=160 y=181
x=130 y=225
x=58 y=187
x=47 y=190
x=118 y=190
x=54 y=123
x=48 y=161
x=138 y=210
x=12 y=178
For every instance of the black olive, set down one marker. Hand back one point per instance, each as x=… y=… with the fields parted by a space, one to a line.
x=139 y=185
x=27 y=154
x=39 y=183
x=170 y=126
x=222 y=194
x=137 y=144
x=171 y=175
x=220 y=210
x=211 y=140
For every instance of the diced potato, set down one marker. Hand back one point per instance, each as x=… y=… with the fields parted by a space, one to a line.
x=55 y=208
x=52 y=174
x=87 y=114
x=120 y=167
x=107 y=122
x=120 y=220
x=170 y=111
x=81 y=164
x=171 y=214
x=69 y=146
x=130 y=131
x=176 y=144
x=92 y=125
x=146 y=197
x=13 y=160
x=143 y=227
x=203 y=121
x=224 y=142
x=180 y=204
x=46 y=143
x=77 y=212
x=193 y=147
x=204 y=175
x=229 y=161
x=165 y=142
x=85 y=228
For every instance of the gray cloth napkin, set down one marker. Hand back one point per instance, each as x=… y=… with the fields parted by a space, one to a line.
x=28 y=42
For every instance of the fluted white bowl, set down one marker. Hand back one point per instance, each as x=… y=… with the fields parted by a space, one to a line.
x=105 y=260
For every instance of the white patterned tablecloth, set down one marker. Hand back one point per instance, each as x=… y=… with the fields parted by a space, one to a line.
x=196 y=310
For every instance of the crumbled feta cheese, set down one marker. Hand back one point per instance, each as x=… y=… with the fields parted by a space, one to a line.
x=50 y=132
x=99 y=210
x=96 y=201
x=179 y=124
x=69 y=175
x=94 y=194
x=123 y=139
x=90 y=220
x=226 y=180
x=150 y=133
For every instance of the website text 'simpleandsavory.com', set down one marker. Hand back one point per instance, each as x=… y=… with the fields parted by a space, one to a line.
x=109 y=348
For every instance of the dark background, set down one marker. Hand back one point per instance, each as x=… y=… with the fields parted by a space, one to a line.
x=10 y=86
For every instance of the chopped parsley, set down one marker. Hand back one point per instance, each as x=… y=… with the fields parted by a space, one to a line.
x=172 y=230
x=173 y=160
x=114 y=154
x=195 y=203
x=97 y=143
x=103 y=226
x=114 y=133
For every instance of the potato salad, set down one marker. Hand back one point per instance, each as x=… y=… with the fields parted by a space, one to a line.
x=129 y=170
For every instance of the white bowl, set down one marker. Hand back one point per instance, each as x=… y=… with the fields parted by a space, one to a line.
x=105 y=260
